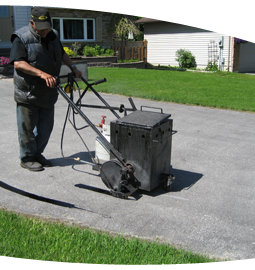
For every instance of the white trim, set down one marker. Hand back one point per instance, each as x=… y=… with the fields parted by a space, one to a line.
x=61 y=34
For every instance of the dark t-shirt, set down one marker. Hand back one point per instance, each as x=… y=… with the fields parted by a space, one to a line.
x=19 y=52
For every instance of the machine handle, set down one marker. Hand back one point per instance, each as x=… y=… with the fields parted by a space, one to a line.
x=152 y=108
x=99 y=81
x=69 y=76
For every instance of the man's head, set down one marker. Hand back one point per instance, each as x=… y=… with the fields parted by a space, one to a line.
x=41 y=21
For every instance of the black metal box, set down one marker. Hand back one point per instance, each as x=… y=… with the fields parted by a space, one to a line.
x=144 y=139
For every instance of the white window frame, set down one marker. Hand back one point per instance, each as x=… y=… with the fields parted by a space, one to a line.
x=61 y=33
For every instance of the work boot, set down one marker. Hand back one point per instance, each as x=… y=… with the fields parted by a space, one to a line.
x=42 y=160
x=31 y=166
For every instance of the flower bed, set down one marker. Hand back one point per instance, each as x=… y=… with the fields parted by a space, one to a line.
x=5 y=67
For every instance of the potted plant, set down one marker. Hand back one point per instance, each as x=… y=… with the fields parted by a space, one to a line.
x=4 y=65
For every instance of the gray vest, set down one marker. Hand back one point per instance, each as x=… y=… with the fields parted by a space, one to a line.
x=30 y=89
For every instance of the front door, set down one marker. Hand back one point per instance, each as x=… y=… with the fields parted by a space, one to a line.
x=6 y=22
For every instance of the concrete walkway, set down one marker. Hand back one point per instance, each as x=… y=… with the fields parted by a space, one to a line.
x=211 y=208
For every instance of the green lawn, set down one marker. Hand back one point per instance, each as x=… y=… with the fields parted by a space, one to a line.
x=224 y=90
x=31 y=238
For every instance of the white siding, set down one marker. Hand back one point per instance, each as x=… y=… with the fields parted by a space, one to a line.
x=21 y=16
x=164 y=39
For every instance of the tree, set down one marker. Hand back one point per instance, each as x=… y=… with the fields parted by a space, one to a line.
x=134 y=12
x=251 y=34
x=119 y=13
x=122 y=22
x=122 y=30
x=125 y=26
x=141 y=11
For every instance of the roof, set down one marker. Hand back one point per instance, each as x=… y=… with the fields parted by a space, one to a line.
x=191 y=11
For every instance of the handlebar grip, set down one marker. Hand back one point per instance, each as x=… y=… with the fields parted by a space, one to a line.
x=100 y=81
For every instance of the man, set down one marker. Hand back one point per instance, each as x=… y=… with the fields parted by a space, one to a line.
x=37 y=56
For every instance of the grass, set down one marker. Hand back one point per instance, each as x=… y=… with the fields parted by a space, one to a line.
x=223 y=90
x=32 y=238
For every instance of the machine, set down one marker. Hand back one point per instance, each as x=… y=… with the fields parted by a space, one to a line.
x=139 y=146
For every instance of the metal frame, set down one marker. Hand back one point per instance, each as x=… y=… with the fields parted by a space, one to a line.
x=126 y=169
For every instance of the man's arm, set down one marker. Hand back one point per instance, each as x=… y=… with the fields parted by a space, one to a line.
x=49 y=79
x=28 y=69
x=18 y=59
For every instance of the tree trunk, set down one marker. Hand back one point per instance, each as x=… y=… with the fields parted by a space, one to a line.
x=122 y=53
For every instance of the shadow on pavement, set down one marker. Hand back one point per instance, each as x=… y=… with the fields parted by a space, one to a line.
x=69 y=160
x=184 y=180
x=36 y=197
x=46 y=200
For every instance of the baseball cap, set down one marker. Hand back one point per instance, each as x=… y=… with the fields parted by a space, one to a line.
x=41 y=17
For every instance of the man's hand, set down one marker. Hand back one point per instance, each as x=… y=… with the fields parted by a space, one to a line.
x=67 y=61
x=77 y=73
x=50 y=80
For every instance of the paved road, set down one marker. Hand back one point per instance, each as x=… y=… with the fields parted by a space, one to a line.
x=211 y=208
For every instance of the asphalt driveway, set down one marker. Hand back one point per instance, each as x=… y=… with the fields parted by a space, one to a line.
x=210 y=209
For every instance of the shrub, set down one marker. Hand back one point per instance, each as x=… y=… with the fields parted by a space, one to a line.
x=76 y=47
x=68 y=51
x=109 y=52
x=89 y=51
x=97 y=51
x=212 y=66
x=185 y=58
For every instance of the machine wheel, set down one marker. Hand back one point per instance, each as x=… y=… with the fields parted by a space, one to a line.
x=168 y=180
x=166 y=187
x=110 y=174
x=118 y=178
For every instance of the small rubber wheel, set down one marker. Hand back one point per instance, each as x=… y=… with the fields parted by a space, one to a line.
x=165 y=186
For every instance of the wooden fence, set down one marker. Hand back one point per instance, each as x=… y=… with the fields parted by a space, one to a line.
x=132 y=50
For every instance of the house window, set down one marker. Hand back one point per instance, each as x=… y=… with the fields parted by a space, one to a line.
x=71 y=29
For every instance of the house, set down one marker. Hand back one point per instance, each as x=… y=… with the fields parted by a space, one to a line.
x=165 y=38
x=73 y=25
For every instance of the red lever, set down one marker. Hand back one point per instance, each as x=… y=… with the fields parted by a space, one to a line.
x=102 y=121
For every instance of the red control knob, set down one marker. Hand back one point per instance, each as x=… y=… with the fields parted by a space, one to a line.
x=102 y=121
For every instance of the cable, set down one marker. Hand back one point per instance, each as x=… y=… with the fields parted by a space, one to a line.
x=75 y=128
